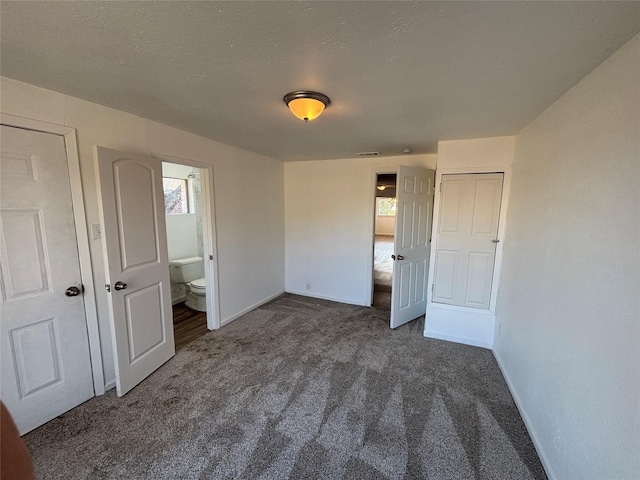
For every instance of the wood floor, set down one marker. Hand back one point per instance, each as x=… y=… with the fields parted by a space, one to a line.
x=188 y=325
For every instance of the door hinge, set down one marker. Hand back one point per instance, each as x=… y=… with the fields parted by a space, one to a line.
x=107 y=287
x=440 y=187
x=432 y=288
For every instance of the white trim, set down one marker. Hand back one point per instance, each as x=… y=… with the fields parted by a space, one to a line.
x=84 y=256
x=456 y=339
x=527 y=421
x=325 y=297
x=208 y=234
x=180 y=299
x=495 y=281
x=226 y=321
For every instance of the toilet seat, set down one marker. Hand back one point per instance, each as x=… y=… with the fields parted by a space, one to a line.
x=198 y=286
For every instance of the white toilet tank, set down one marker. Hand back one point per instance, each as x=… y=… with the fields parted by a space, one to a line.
x=184 y=270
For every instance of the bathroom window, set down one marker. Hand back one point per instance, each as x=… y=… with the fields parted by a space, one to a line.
x=386 y=207
x=176 y=195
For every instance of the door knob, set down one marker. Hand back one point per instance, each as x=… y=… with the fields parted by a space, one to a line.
x=400 y=257
x=119 y=286
x=72 y=292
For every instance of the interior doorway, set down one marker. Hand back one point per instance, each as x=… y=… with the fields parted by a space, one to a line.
x=404 y=206
x=384 y=231
x=183 y=201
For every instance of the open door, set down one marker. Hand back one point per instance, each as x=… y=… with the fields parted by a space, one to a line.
x=414 y=217
x=131 y=205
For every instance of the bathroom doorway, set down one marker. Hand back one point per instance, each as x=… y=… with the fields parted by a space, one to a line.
x=190 y=243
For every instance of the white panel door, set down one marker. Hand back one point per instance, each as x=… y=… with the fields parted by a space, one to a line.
x=467 y=239
x=46 y=368
x=414 y=217
x=135 y=248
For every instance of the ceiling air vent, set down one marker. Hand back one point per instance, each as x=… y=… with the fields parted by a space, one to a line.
x=369 y=154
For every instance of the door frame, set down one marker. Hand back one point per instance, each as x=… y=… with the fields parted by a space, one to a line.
x=463 y=316
x=82 y=235
x=209 y=239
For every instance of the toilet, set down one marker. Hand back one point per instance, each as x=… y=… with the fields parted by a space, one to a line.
x=190 y=272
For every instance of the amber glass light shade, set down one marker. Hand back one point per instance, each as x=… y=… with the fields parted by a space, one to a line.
x=306 y=105
x=306 y=108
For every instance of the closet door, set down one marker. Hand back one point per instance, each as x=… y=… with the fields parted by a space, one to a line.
x=467 y=239
x=46 y=367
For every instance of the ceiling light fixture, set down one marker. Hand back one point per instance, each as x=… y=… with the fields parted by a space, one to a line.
x=381 y=187
x=306 y=105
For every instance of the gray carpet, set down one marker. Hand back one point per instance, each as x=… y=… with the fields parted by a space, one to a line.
x=301 y=388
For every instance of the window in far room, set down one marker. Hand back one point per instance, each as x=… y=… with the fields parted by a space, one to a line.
x=386 y=207
x=176 y=195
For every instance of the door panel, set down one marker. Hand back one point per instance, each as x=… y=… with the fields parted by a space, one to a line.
x=25 y=269
x=36 y=356
x=450 y=205
x=445 y=273
x=135 y=248
x=412 y=240
x=404 y=292
x=420 y=291
x=478 y=289
x=143 y=308
x=45 y=362
x=468 y=226
x=486 y=207
x=136 y=217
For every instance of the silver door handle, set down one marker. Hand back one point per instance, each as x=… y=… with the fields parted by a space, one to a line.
x=119 y=286
x=400 y=257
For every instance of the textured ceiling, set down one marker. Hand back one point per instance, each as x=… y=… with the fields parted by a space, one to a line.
x=399 y=74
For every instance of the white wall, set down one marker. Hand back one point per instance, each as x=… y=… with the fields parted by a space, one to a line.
x=175 y=170
x=182 y=235
x=182 y=238
x=569 y=305
x=475 y=153
x=329 y=212
x=247 y=190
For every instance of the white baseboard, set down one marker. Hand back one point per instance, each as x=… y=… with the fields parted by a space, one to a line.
x=527 y=421
x=179 y=299
x=248 y=309
x=323 y=297
x=452 y=338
